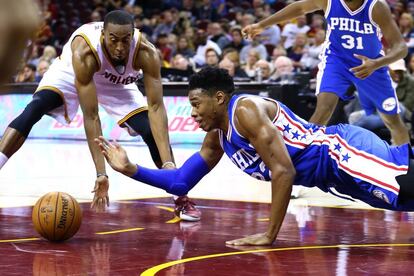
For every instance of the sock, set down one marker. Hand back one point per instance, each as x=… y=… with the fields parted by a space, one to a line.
x=3 y=159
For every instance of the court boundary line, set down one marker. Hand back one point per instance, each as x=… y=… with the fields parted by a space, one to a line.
x=155 y=269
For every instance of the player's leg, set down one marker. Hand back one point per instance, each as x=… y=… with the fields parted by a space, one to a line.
x=140 y=124
x=376 y=93
x=406 y=182
x=332 y=83
x=399 y=132
x=184 y=207
x=16 y=133
x=325 y=106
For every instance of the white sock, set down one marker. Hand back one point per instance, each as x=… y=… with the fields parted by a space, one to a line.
x=3 y=159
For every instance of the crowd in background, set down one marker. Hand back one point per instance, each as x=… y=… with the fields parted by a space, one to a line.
x=191 y=34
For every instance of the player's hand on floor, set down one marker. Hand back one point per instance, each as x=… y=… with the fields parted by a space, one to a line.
x=115 y=155
x=101 y=198
x=257 y=239
x=365 y=69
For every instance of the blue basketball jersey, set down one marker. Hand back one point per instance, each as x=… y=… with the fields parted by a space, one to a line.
x=351 y=32
x=341 y=159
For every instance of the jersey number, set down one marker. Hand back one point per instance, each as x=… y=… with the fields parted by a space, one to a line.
x=350 y=42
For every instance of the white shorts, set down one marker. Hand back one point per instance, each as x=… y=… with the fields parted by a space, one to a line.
x=119 y=101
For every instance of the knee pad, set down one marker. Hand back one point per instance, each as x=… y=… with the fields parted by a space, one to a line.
x=42 y=102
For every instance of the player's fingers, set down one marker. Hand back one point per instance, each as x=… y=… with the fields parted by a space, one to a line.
x=356 y=68
x=360 y=57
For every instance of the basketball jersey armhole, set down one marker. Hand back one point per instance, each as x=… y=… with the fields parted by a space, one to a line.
x=94 y=51
x=371 y=7
x=328 y=8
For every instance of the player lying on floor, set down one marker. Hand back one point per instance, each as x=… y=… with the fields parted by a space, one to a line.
x=268 y=141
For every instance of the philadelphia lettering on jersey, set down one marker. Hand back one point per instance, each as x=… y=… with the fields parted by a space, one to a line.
x=351 y=32
x=118 y=79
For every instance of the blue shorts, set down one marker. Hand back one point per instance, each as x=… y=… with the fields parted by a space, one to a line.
x=364 y=167
x=375 y=92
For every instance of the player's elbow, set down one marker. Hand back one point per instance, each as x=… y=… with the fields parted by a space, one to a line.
x=404 y=49
x=280 y=172
x=178 y=188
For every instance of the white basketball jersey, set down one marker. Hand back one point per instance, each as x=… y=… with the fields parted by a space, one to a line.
x=107 y=75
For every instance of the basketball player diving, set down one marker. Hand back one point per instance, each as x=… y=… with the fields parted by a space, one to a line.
x=99 y=65
x=352 y=54
x=266 y=140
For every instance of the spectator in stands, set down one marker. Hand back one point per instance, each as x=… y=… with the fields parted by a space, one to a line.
x=180 y=62
x=202 y=45
x=278 y=52
x=217 y=35
x=41 y=69
x=299 y=47
x=317 y=24
x=310 y=58
x=233 y=55
x=212 y=58
x=406 y=24
x=166 y=26
x=270 y=36
x=252 y=57
x=143 y=25
x=27 y=74
x=220 y=6
x=237 y=42
x=162 y=45
x=247 y=19
x=291 y=29
x=283 y=67
x=255 y=44
x=184 y=47
x=228 y=65
x=265 y=70
x=207 y=11
x=95 y=16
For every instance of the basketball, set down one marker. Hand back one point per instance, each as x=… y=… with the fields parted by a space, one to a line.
x=57 y=216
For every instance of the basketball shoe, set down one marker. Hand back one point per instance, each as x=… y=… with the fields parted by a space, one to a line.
x=186 y=210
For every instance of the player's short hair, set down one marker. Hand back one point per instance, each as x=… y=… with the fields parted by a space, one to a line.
x=118 y=17
x=211 y=80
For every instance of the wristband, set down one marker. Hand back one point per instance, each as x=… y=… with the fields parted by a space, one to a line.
x=101 y=174
x=167 y=163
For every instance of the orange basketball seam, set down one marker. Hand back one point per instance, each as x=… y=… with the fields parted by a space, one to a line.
x=54 y=222
x=73 y=217
x=38 y=218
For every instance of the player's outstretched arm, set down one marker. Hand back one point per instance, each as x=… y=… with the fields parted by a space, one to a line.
x=253 y=122
x=85 y=65
x=291 y=11
x=175 y=181
x=148 y=60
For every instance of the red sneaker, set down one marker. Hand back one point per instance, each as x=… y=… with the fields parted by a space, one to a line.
x=185 y=209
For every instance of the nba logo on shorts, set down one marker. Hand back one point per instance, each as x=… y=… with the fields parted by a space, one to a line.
x=381 y=195
x=389 y=104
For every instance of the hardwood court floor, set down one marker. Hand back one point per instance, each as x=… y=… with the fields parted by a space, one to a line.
x=142 y=237
x=321 y=235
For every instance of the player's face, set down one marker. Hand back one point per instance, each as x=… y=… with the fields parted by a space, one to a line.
x=117 y=39
x=204 y=109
